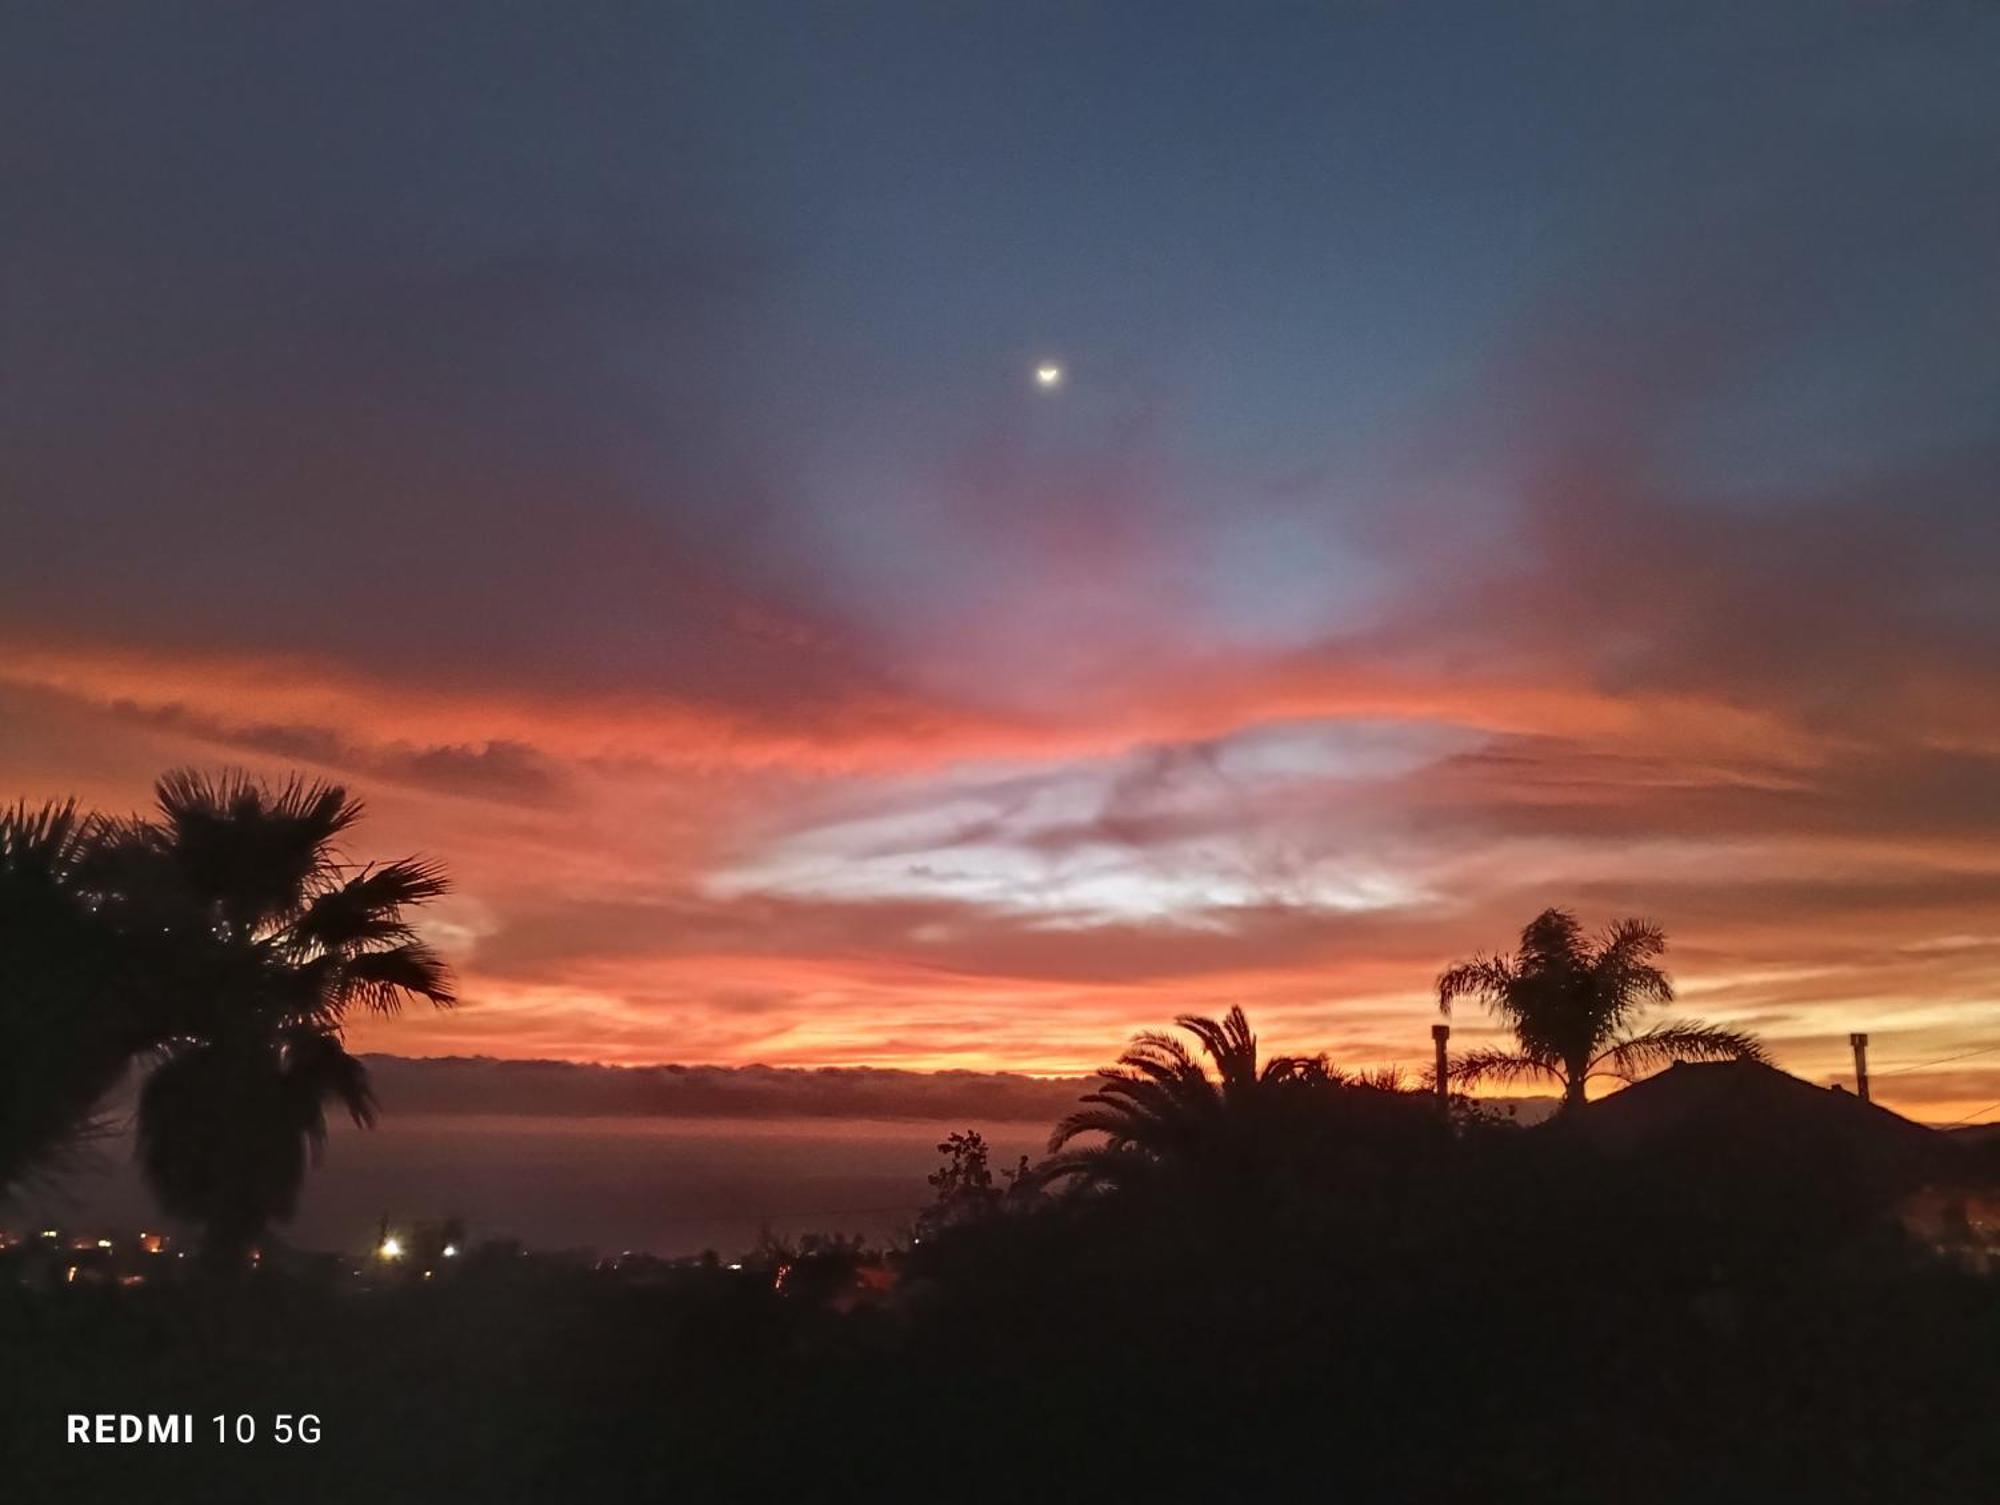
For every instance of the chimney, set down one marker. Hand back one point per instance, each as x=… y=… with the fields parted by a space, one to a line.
x=1860 y=1044
x=1439 y=1034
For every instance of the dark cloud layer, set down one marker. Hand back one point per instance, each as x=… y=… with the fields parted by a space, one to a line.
x=565 y=1089
x=498 y=770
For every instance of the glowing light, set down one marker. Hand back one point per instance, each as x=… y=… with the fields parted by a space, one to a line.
x=392 y=1248
x=451 y=1251
x=1048 y=375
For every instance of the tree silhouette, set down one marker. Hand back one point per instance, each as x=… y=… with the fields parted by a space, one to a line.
x=964 y=1183
x=1160 y=1108
x=68 y=1022
x=274 y=939
x=1572 y=1005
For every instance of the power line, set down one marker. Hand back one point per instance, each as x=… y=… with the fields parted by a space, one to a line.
x=1972 y=1115
x=1984 y=1050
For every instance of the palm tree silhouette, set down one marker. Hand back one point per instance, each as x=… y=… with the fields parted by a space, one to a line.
x=1572 y=1004
x=275 y=939
x=1160 y=1108
x=68 y=1023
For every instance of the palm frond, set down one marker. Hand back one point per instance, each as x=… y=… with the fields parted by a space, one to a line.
x=1229 y=1042
x=1381 y=1079
x=380 y=980
x=46 y=842
x=1552 y=941
x=1493 y=1065
x=367 y=907
x=1116 y=1123
x=1316 y=1070
x=319 y=1070
x=1490 y=979
x=1160 y=1057
x=188 y=794
x=1623 y=978
x=1683 y=1040
x=1095 y=1166
x=1147 y=1115
x=253 y=854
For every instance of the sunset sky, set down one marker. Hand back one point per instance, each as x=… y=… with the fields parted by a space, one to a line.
x=1507 y=456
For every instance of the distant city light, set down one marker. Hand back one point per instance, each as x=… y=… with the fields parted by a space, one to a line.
x=451 y=1251
x=392 y=1248
x=104 y=1243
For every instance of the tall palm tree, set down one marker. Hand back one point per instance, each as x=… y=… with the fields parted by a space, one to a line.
x=276 y=939
x=1574 y=1004
x=68 y=1025
x=1159 y=1108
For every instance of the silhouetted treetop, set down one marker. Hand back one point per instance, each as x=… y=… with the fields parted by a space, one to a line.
x=1573 y=1005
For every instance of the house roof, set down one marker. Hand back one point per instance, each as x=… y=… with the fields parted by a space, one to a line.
x=1746 y=1109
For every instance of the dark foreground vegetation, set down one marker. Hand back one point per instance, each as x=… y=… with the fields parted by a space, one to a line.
x=1488 y=1315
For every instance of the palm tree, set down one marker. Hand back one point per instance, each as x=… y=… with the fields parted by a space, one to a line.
x=276 y=938
x=68 y=1025
x=1573 y=1004
x=1159 y=1108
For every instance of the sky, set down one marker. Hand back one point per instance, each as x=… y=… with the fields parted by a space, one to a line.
x=1505 y=456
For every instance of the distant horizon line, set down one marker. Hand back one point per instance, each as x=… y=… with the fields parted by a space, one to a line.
x=542 y=1087
x=483 y=1059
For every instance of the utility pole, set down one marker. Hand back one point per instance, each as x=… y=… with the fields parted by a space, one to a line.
x=1860 y=1044
x=1439 y=1034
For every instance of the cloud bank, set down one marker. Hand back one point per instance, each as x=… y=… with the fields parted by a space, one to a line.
x=567 y=1089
